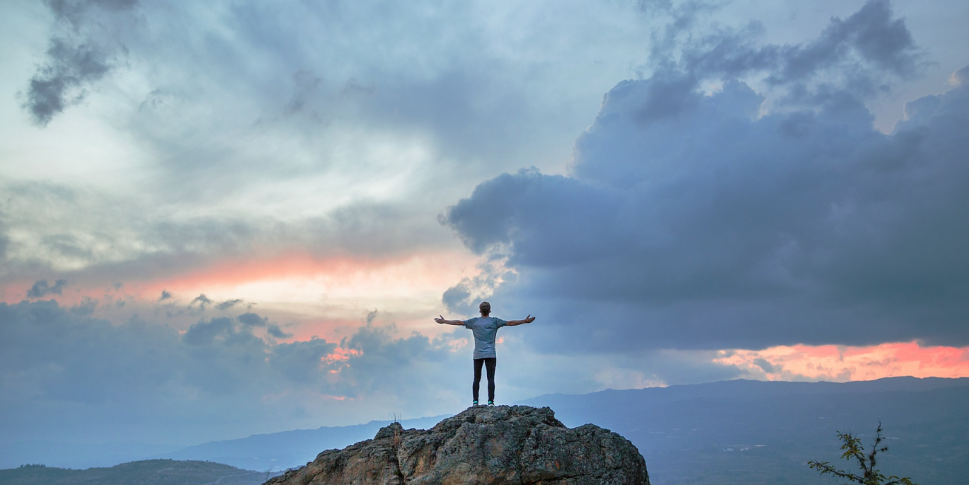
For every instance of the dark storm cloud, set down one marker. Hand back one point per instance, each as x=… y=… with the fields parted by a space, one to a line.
x=77 y=56
x=857 y=55
x=857 y=52
x=64 y=373
x=690 y=221
x=41 y=289
x=871 y=34
x=69 y=67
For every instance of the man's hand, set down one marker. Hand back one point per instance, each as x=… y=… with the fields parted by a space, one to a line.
x=441 y=319
x=528 y=319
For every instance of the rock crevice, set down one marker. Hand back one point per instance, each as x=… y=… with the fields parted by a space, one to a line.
x=483 y=445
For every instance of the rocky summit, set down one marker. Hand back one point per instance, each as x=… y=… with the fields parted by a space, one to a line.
x=482 y=445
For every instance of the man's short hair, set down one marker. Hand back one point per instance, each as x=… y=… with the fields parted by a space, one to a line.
x=484 y=307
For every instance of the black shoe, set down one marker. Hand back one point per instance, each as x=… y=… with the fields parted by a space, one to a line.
x=491 y=404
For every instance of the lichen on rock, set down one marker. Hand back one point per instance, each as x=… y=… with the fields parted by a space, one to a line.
x=482 y=445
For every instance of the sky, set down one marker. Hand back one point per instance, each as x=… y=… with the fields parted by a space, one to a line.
x=227 y=218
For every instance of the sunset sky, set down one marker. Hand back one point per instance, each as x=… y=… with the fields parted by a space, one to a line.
x=227 y=218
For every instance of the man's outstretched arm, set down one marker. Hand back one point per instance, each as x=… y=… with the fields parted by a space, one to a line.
x=512 y=323
x=440 y=319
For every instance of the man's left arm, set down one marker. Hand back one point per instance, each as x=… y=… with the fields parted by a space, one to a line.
x=512 y=323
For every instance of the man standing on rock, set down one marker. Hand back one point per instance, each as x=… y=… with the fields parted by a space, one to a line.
x=484 y=328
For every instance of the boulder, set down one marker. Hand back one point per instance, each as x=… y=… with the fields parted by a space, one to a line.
x=482 y=445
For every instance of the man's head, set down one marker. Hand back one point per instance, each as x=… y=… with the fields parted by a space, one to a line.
x=484 y=308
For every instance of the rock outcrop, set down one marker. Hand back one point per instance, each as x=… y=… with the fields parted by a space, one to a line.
x=482 y=445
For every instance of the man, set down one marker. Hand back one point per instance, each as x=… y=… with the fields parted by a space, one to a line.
x=484 y=328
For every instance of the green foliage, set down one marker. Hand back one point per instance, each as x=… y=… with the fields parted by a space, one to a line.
x=853 y=449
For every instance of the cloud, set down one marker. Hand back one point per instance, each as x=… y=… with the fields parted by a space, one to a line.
x=165 y=295
x=74 y=12
x=959 y=77
x=228 y=304
x=76 y=57
x=205 y=332
x=306 y=87
x=54 y=222
x=856 y=54
x=85 y=308
x=464 y=297
x=202 y=300
x=65 y=374
x=700 y=221
x=765 y=365
x=464 y=108
x=379 y=360
x=4 y=240
x=252 y=319
x=277 y=332
x=302 y=362
x=69 y=67
x=41 y=288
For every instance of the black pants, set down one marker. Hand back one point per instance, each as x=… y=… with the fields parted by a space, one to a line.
x=490 y=363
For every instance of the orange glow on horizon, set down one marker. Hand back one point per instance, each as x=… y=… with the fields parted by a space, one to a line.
x=846 y=363
x=300 y=279
x=437 y=269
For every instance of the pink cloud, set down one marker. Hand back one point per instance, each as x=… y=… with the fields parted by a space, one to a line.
x=840 y=363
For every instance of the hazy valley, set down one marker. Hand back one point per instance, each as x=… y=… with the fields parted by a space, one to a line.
x=723 y=432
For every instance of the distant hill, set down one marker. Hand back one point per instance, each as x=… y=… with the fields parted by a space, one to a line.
x=78 y=455
x=150 y=472
x=754 y=432
x=287 y=449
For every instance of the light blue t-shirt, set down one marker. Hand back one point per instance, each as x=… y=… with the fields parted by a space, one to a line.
x=484 y=329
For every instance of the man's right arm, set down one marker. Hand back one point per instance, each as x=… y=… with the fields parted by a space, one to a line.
x=440 y=319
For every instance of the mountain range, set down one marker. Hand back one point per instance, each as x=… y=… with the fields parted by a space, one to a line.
x=723 y=432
